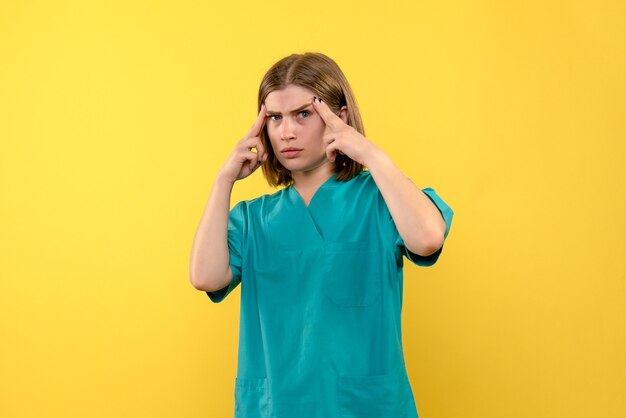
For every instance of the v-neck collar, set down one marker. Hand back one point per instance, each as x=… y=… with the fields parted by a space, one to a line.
x=307 y=211
x=297 y=197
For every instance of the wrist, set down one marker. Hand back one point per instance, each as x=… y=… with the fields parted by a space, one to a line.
x=375 y=158
x=224 y=179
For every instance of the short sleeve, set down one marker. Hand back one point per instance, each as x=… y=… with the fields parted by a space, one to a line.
x=236 y=231
x=446 y=213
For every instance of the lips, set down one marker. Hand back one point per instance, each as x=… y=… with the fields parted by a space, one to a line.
x=291 y=152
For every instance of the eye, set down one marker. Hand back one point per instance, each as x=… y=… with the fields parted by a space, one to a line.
x=304 y=114
x=274 y=117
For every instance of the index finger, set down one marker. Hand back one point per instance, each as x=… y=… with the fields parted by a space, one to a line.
x=326 y=114
x=260 y=122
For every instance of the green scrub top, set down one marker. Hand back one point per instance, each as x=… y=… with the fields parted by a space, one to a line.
x=321 y=298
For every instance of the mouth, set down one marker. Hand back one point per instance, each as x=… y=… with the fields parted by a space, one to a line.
x=291 y=152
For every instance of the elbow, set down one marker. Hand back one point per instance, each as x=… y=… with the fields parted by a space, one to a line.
x=199 y=284
x=427 y=245
x=209 y=284
x=436 y=242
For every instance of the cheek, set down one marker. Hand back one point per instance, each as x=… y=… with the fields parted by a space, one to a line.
x=272 y=136
x=316 y=130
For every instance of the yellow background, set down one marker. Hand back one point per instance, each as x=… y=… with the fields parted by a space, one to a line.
x=116 y=115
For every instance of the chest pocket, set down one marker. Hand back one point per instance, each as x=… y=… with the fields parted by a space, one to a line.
x=353 y=273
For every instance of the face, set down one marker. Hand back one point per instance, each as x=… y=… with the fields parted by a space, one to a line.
x=295 y=129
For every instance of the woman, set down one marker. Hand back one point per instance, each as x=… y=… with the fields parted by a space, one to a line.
x=320 y=261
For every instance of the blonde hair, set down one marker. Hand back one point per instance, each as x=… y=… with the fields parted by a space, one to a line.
x=321 y=75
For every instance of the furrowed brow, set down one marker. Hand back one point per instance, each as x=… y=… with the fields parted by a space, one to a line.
x=301 y=108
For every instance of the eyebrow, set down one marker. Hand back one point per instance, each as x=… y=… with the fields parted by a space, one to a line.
x=301 y=108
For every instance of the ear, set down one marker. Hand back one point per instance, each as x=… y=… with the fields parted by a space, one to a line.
x=343 y=114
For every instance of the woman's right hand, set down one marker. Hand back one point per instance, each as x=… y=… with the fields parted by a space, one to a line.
x=243 y=161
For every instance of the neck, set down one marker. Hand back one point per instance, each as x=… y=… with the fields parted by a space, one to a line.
x=311 y=180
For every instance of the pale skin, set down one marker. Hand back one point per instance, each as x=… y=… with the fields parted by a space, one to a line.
x=296 y=121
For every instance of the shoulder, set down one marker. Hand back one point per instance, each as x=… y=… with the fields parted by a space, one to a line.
x=363 y=185
x=363 y=176
x=360 y=193
x=259 y=204
x=363 y=180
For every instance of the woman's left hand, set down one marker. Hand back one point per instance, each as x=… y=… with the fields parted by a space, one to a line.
x=343 y=138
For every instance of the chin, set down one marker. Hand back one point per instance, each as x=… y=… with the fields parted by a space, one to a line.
x=289 y=165
x=295 y=167
x=301 y=164
x=292 y=163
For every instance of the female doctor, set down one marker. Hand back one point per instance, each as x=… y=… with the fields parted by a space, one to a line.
x=319 y=261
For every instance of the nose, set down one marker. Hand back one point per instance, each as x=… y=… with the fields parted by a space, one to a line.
x=287 y=130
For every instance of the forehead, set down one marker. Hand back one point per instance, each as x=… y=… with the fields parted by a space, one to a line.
x=288 y=98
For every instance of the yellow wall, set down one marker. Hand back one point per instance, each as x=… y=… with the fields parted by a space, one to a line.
x=116 y=115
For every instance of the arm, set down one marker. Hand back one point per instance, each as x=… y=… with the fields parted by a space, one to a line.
x=209 y=265
x=418 y=220
x=209 y=268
